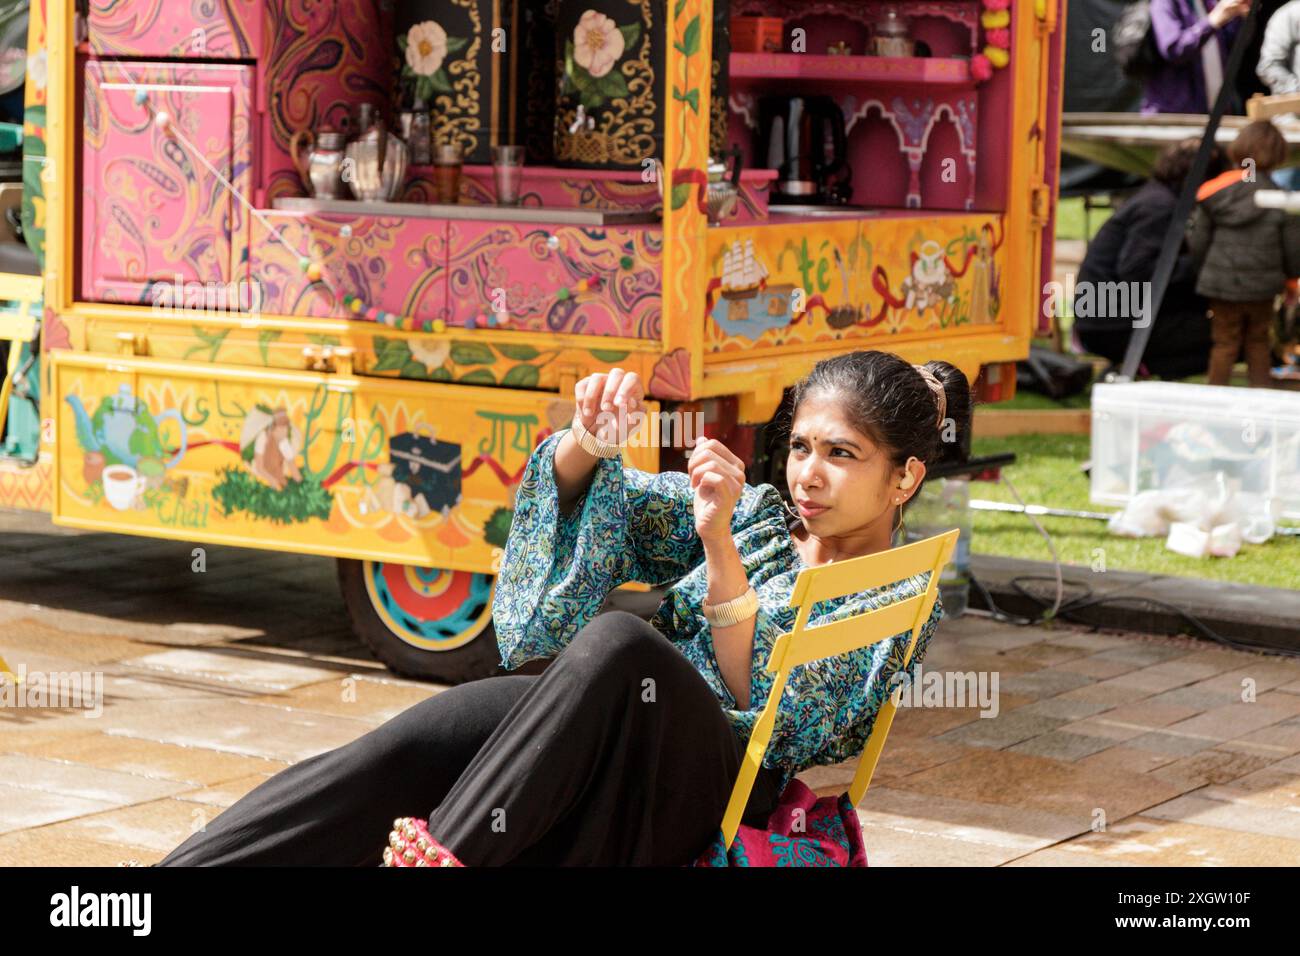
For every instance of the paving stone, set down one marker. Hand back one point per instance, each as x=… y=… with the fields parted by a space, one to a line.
x=79 y=780
x=21 y=808
x=1067 y=855
x=145 y=758
x=1141 y=653
x=1230 y=721
x=1196 y=697
x=1274 y=824
x=353 y=695
x=1026 y=782
x=225 y=794
x=1044 y=654
x=1047 y=682
x=1152 y=679
x=1209 y=767
x=44 y=846
x=1001 y=731
x=160 y=825
x=1060 y=745
x=1127 y=759
x=1062 y=708
x=1094 y=667
x=1087 y=641
x=1147 y=840
x=1018 y=829
x=232 y=666
x=1106 y=692
x=1169 y=743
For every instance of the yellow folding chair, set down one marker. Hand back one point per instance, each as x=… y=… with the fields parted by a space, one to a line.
x=18 y=327
x=803 y=644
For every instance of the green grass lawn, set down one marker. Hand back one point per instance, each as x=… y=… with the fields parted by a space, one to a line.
x=1047 y=473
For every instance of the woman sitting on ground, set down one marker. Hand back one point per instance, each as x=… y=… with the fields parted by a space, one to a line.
x=625 y=748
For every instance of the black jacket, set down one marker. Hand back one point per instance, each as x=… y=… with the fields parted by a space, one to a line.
x=1248 y=252
x=1125 y=250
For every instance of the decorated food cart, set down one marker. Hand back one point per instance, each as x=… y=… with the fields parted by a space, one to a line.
x=227 y=345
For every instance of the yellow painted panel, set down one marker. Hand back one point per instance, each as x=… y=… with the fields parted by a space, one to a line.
x=410 y=472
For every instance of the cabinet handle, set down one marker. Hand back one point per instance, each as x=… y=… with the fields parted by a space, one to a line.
x=328 y=358
x=132 y=343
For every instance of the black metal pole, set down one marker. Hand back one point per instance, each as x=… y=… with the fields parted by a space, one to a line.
x=1137 y=344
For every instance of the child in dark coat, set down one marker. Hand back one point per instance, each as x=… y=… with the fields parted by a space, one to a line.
x=1246 y=253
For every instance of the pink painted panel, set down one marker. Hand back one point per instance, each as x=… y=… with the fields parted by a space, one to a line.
x=395 y=264
x=530 y=265
x=229 y=29
x=152 y=210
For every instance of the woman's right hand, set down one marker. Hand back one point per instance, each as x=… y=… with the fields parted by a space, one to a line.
x=606 y=402
x=1228 y=11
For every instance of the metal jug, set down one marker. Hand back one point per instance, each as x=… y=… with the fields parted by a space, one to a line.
x=319 y=160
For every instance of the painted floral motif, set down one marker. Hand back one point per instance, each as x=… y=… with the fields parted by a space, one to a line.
x=590 y=55
x=635 y=526
x=597 y=43
x=425 y=48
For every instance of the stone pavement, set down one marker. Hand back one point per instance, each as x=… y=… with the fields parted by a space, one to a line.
x=1106 y=750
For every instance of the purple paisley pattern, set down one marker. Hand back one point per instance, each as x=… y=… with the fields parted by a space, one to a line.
x=636 y=526
x=321 y=62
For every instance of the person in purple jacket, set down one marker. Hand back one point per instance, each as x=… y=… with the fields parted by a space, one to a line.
x=1194 y=38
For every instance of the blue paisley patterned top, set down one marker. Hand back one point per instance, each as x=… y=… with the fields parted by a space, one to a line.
x=631 y=525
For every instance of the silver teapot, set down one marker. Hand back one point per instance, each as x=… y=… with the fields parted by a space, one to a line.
x=377 y=161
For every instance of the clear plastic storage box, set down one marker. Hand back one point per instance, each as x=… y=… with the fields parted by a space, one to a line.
x=1150 y=435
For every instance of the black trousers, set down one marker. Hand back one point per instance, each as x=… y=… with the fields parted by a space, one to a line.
x=617 y=754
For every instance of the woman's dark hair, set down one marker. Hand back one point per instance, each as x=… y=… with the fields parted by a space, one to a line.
x=1175 y=162
x=888 y=400
x=1260 y=141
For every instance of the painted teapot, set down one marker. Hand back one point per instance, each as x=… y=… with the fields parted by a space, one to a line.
x=124 y=431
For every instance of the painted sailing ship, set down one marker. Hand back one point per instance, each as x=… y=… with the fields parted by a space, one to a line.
x=742 y=272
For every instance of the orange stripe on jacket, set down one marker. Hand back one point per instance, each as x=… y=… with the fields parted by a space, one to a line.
x=1221 y=181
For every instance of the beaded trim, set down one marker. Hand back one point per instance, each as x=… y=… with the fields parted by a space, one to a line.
x=409 y=844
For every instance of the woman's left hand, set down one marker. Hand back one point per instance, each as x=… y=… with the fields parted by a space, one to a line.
x=717 y=477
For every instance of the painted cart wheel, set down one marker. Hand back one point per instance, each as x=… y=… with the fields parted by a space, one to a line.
x=429 y=623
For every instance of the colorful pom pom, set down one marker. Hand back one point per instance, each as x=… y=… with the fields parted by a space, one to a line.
x=992 y=19
x=356 y=305
x=439 y=325
x=141 y=97
x=980 y=68
x=999 y=58
x=1000 y=38
x=469 y=323
x=583 y=285
x=996 y=4
x=313 y=272
x=625 y=262
x=562 y=293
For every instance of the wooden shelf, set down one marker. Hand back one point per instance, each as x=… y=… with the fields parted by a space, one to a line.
x=851 y=69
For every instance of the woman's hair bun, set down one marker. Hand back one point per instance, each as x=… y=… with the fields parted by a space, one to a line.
x=954 y=430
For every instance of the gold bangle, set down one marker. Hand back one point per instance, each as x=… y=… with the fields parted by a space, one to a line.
x=592 y=445
x=733 y=611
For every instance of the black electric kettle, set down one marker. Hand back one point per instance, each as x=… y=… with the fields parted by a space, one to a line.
x=802 y=137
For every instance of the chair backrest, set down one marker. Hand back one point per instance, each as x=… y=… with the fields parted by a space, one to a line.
x=803 y=644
